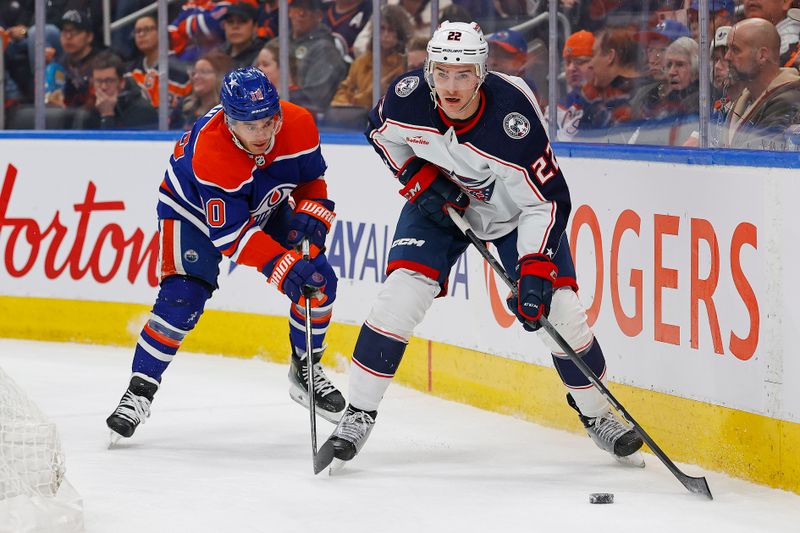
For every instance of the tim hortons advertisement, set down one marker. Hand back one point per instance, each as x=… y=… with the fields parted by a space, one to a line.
x=681 y=267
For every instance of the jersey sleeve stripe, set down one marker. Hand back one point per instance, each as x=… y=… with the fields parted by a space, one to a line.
x=190 y=217
x=175 y=185
x=218 y=186
x=232 y=237
x=549 y=228
x=242 y=244
x=518 y=168
x=394 y=166
x=296 y=154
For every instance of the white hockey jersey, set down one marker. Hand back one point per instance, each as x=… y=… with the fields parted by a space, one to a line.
x=502 y=157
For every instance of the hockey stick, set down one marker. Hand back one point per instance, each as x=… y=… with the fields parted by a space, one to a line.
x=697 y=485
x=312 y=406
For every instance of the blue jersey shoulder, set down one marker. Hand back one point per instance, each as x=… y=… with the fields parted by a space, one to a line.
x=408 y=99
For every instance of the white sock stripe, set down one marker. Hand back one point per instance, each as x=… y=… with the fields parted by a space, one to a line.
x=161 y=356
x=386 y=333
x=162 y=322
x=300 y=326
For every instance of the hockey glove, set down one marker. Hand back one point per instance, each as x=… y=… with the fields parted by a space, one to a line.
x=535 y=289
x=312 y=219
x=432 y=193
x=291 y=274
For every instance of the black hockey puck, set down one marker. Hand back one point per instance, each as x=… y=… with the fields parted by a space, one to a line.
x=601 y=497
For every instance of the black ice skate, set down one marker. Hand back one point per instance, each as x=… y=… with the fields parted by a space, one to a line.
x=352 y=432
x=613 y=435
x=133 y=408
x=329 y=401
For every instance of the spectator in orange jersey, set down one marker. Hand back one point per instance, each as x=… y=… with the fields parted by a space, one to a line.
x=144 y=69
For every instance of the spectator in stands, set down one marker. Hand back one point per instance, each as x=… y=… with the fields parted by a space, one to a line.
x=416 y=52
x=724 y=90
x=123 y=39
x=346 y=19
x=206 y=76
x=77 y=41
x=776 y=12
x=118 y=101
x=241 y=41
x=356 y=89
x=418 y=12
x=508 y=54
x=144 y=69
x=770 y=101
x=720 y=13
x=320 y=64
x=197 y=29
x=655 y=85
x=577 y=54
x=677 y=113
x=268 y=62
x=615 y=80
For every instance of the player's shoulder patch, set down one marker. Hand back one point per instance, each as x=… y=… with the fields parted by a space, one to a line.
x=406 y=86
x=516 y=125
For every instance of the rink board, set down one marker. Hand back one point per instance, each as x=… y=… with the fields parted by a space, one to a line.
x=684 y=285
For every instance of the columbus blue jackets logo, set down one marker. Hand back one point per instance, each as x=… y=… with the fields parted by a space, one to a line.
x=516 y=125
x=406 y=86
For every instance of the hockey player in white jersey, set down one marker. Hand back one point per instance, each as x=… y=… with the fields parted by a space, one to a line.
x=455 y=135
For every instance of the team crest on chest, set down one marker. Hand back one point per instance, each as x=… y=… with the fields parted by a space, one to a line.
x=406 y=86
x=516 y=125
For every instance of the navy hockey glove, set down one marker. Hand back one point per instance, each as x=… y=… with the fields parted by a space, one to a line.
x=535 y=289
x=312 y=219
x=431 y=192
x=290 y=273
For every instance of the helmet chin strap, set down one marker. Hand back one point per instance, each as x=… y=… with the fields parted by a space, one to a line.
x=239 y=144
x=435 y=97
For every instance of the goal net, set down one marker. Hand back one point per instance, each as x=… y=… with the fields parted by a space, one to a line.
x=34 y=495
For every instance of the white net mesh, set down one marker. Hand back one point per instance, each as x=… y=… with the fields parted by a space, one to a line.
x=34 y=496
x=31 y=460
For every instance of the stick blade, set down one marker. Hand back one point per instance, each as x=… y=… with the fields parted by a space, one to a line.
x=697 y=485
x=323 y=458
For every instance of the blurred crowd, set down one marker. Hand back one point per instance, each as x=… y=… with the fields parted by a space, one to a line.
x=629 y=72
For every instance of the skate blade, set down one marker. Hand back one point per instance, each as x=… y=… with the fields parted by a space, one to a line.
x=635 y=460
x=302 y=399
x=113 y=438
x=336 y=466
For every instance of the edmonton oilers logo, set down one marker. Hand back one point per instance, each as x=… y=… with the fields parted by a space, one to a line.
x=191 y=256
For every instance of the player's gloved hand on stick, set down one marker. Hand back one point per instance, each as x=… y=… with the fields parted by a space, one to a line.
x=290 y=273
x=535 y=289
x=431 y=192
x=312 y=220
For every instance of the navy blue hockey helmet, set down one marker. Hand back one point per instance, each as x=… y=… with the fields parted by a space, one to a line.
x=247 y=94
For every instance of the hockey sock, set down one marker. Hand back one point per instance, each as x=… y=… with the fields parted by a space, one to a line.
x=179 y=304
x=375 y=360
x=589 y=400
x=320 y=320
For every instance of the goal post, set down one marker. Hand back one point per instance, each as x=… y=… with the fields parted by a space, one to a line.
x=34 y=494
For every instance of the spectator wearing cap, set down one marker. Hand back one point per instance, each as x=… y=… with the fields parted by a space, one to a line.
x=508 y=54
x=721 y=13
x=724 y=90
x=77 y=41
x=118 y=101
x=577 y=55
x=770 y=101
x=356 y=89
x=320 y=64
x=241 y=41
x=777 y=13
x=144 y=69
x=346 y=19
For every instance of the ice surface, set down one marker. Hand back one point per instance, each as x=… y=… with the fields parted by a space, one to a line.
x=226 y=450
